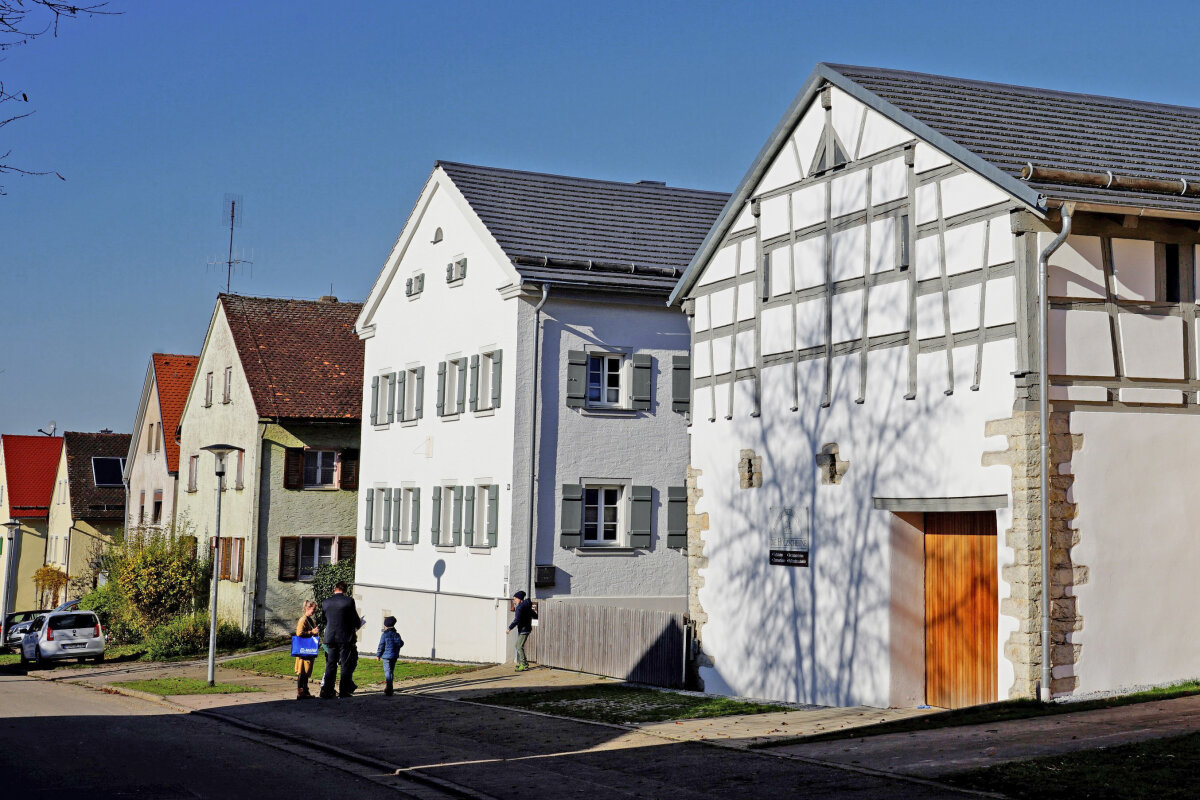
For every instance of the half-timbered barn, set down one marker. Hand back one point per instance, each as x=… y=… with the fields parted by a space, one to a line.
x=865 y=493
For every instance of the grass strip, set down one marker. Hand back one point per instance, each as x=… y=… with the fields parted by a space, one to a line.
x=368 y=671
x=175 y=686
x=993 y=712
x=1162 y=769
x=623 y=704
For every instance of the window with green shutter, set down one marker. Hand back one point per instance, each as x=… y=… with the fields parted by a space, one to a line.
x=441 y=389
x=493 y=514
x=460 y=388
x=385 y=532
x=641 y=515
x=402 y=394
x=456 y=519
x=468 y=516
x=681 y=384
x=570 y=526
x=391 y=401
x=436 y=516
x=374 y=399
x=414 y=520
x=473 y=398
x=677 y=517
x=399 y=509
x=642 y=383
x=369 y=516
x=419 y=391
x=577 y=364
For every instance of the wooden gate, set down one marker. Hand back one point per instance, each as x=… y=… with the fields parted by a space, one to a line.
x=961 y=608
x=629 y=643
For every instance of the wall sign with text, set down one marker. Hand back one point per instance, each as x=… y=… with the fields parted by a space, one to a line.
x=788 y=541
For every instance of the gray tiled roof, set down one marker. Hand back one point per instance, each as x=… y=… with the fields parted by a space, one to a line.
x=1009 y=126
x=638 y=236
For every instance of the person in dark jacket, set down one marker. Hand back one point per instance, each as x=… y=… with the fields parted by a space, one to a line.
x=388 y=651
x=523 y=618
x=341 y=643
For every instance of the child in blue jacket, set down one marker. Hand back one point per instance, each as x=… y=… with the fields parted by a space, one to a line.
x=388 y=651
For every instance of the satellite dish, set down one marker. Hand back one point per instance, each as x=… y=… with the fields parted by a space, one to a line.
x=50 y=429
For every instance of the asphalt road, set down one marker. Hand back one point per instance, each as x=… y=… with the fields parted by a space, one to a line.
x=63 y=741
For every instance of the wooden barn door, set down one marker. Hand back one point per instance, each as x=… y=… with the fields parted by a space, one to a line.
x=961 y=608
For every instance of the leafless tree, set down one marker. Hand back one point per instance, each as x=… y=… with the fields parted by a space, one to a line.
x=21 y=22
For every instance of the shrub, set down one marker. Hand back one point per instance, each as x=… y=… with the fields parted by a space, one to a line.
x=327 y=575
x=159 y=575
x=119 y=620
x=49 y=582
x=188 y=635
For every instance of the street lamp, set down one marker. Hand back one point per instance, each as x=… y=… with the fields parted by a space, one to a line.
x=13 y=526
x=219 y=451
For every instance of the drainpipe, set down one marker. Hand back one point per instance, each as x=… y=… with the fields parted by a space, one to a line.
x=1044 y=435
x=533 y=436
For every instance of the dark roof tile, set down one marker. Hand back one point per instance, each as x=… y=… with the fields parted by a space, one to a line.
x=89 y=501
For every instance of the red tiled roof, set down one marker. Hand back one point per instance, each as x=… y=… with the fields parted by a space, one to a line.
x=89 y=501
x=173 y=380
x=301 y=357
x=30 y=464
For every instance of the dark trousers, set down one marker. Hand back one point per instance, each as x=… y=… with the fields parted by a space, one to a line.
x=346 y=657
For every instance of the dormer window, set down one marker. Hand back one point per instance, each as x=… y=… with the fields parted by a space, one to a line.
x=108 y=470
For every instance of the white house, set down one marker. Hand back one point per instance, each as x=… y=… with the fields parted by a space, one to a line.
x=152 y=466
x=865 y=492
x=514 y=297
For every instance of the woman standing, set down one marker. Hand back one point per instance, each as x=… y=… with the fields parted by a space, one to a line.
x=306 y=626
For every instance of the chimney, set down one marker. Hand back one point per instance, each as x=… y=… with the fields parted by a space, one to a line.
x=652 y=183
x=328 y=298
x=106 y=430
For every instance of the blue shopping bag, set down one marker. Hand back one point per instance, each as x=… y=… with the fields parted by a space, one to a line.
x=305 y=646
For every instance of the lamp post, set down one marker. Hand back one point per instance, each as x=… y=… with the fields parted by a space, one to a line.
x=13 y=526
x=219 y=451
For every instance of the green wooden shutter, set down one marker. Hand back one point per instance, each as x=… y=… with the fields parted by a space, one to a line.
x=461 y=387
x=641 y=513
x=419 y=390
x=401 y=377
x=681 y=384
x=469 y=516
x=643 y=379
x=570 y=533
x=391 y=412
x=493 y=514
x=457 y=520
x=474 y=398
x=677 y=516
x=441 y=394
x=386 y=527
x=370 y=514
x=576 y=378
x=408 y=287
x=414 y=524
x=437 y=516
x=496 y=371
x=374 y=399
x=398 y=516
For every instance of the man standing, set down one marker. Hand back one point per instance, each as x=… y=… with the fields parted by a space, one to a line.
x=341 y=642
x=523 y=618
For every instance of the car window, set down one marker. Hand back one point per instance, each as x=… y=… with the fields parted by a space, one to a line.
x=60 y=622
x=36 y=625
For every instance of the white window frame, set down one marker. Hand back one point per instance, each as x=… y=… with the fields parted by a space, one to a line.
x=240 y=471
x=445 y=536
x=321 y=457
x=193 y=473
x=406 y=404
x=606 y=357
x=483 y=400
x=418 y=284
x=227 y=391
x=333 y=555
x=481 y=514
x=405 y=500
x=452 y=410
x=458 y=270
x=96 y=480
x=381 y=400
x=624 y=488
x=208 y=389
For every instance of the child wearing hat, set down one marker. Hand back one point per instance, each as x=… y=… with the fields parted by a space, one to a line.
x=388 y=651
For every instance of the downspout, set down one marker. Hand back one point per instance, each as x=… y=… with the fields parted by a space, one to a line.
x=1044 y=436
x=533 y=436
x=250 y=587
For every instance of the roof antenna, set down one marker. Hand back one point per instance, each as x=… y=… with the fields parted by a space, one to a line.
x=50 y=429
x=231 y=214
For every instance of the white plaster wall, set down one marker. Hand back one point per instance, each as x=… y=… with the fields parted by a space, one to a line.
x=643 y=447
x=233 y=423
x=1137 y=507
x=474 y=447
x=148 y=471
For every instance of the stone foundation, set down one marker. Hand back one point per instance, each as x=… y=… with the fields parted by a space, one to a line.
x=1024 y=574
x=696 y=525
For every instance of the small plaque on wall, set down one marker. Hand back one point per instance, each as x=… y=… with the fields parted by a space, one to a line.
x=788 y=541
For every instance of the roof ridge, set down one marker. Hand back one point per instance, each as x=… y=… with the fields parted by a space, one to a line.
x=288 y=300
x=884 y=71
x=624 y=184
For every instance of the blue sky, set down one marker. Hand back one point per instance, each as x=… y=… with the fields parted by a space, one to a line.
x=327 y=118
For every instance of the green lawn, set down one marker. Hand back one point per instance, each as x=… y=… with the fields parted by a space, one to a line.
x=124 y=653
x=168 y=686
x=1161 y=769
x=625 y=704
x=993 y=712
x=368 y=671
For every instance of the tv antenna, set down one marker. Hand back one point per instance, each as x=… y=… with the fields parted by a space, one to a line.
x=50 y=429
x=232 y=215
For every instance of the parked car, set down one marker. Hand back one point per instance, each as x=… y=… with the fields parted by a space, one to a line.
x=16 y=625
x=54 y=636
x=70 y=605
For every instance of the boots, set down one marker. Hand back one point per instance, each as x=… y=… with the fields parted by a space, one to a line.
x=303 y=694
x=387 y=689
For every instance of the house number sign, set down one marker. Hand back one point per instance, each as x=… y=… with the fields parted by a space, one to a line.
x=788 y=537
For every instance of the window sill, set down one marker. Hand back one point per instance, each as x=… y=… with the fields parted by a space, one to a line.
x=485 y=412
x=408 y=423
x=445 y=548
x=403 y=545
x=601 y=550
x=382 y=426
x=601 y=411
x=376 y=545
x=455 y=282
x=452 y=417
x=330 y=488
x=483 y=550
x=415 y=295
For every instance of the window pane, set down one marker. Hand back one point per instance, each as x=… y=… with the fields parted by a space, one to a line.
x=610 y=532
x=327 y=465
x=310 y=468
x=324 y=551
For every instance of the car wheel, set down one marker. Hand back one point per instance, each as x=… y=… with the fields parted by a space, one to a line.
x=38 y=661
x=24 y=660
x=99 y=659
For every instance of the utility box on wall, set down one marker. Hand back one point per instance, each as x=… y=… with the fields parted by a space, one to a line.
x=543 y=575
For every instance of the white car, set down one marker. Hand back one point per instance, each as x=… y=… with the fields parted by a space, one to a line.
x=58 y=635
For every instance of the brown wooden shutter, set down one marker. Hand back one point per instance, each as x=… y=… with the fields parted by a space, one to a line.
x=346 y=545
x=225 y=555
x=349 y=478
x=289 y=558
x=239 y=556
x=293 y=468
